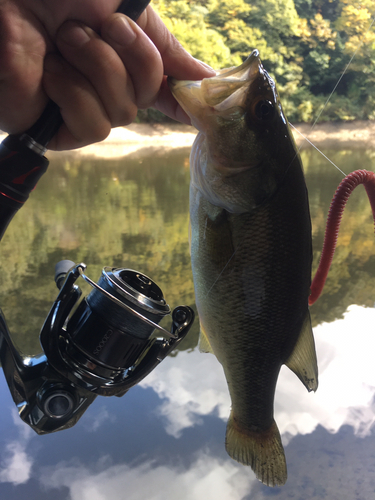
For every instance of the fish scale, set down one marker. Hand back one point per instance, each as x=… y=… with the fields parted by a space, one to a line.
x=251 y=252
x=258 y=319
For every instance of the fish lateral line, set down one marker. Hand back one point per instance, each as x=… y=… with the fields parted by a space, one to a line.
x=339 y=200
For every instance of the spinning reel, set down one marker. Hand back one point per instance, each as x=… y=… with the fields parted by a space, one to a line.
x=99 y=344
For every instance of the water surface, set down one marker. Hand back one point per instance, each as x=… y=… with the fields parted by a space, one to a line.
x=165 y=438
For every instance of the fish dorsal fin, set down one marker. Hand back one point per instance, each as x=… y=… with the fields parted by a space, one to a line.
x=204 y=344
x=303 y=360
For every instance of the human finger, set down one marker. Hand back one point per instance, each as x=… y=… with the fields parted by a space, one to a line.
x=22 y=48
x=84 y=116
x=139 y=56
x=167 y=104
x=100 y=64
x=177 y=62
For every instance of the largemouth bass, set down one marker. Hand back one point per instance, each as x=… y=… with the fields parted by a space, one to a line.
x=251 y=252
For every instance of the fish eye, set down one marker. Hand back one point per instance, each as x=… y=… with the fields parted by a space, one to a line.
x=264 y=110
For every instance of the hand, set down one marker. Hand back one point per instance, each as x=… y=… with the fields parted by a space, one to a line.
x=99 y=68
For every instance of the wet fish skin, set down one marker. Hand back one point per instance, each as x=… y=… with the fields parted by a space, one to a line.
x=251 y=252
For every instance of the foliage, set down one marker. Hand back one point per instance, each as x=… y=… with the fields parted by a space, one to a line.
x=133 y=212
x=124 y=213
x=306 y=45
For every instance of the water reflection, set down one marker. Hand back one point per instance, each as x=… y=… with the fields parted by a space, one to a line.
x=206 y=478
x=165 y=438
x=345 y=395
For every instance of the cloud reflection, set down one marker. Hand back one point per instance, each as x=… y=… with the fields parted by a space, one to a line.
x=16 y=467
x=346 y=379
x=16 y=464
x=193 y=384
x=93 y=421
x=207 y=478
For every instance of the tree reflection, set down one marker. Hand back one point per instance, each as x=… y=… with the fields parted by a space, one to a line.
x=134 y=213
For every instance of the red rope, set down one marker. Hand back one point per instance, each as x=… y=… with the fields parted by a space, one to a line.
x=345 y=189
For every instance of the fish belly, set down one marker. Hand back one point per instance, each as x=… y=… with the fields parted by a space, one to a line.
x=252 y=279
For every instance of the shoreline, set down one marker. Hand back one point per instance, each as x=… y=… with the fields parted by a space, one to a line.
x=139 y=139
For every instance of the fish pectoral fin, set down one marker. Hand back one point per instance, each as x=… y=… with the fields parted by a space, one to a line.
x=204 y=344
x=303 y=360
x=261 y=450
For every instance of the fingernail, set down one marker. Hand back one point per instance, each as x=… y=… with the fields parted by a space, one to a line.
x=52 y=64
x=206 y=66
x=121 y=31
x=74 y=34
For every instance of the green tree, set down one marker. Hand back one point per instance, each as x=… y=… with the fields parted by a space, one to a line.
x=354 y=25
x=187 y=21
x=305 y=45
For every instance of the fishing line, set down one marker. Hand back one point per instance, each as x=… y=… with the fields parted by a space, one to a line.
x=329 y=98
x=342 y=74
x=221 y=272
x=312 y=127
x=321 y=152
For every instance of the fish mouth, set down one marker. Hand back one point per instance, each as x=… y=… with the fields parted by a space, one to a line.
x=224 y=92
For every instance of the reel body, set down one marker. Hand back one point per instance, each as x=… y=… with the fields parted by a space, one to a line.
x=99 y=344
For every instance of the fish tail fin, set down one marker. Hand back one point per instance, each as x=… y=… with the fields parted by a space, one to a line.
x=263 y=451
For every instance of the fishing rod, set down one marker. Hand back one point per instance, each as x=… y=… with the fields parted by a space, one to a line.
x=22 y=160
x=100 y=344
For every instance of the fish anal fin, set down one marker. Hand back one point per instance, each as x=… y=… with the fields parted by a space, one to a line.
x=261 y=450
x=303 y=360
x=204 y=344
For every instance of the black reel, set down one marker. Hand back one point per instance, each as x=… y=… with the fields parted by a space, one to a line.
x=100 y=344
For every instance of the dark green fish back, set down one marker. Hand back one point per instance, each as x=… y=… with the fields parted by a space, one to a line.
x=257 y=270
